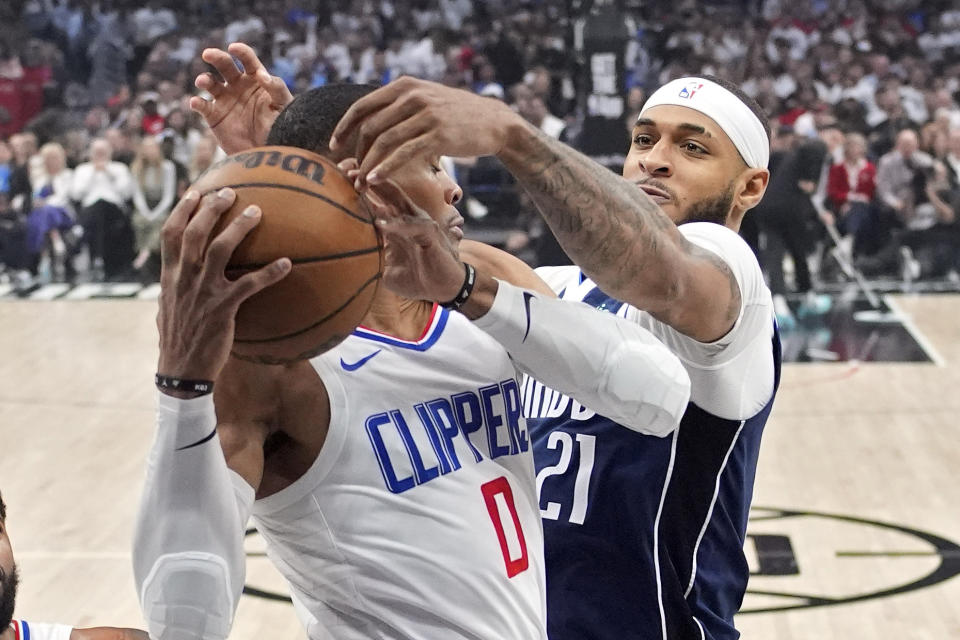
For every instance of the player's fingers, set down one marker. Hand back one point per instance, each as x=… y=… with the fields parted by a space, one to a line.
x=210 y=84
x=390 y=192
x=407 y=231
x=378 y=206
x=412 y=142
x=348 y=165
x=275 y=87
x=222 y=62
x=398 y=249
x=363 y=107
x=223 y=246
x=201 y=106
x=197 y=234
x=403 y=229
x=251 y=283
x=388 y=126
x=172 y=234
x=247 y=56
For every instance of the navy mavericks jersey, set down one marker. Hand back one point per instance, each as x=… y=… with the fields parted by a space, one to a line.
x=644 y=535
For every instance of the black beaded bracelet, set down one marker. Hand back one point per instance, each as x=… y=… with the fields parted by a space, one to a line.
x=469 y=279
x=201 y=387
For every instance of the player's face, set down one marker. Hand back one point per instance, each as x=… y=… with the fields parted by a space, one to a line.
x=685 y=163
x=8 y=578
x=433 y=190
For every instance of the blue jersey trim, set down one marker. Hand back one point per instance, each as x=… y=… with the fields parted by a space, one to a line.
x=430 y=337
x=25 y=629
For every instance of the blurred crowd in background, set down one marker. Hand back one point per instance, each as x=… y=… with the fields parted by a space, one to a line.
x=97 y=142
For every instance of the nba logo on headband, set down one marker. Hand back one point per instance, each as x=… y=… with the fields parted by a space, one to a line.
x=690 y=89
x=731 y=114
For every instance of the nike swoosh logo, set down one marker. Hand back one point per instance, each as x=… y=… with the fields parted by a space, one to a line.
x=527 y=297
x=359 y=363
x=200 y=441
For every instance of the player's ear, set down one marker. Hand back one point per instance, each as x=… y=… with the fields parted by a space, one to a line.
x=750 y=188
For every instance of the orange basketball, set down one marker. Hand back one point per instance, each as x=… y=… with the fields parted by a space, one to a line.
x=312 y=215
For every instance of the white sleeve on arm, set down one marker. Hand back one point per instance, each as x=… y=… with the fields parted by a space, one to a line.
x=188 y=557
x=610 y=365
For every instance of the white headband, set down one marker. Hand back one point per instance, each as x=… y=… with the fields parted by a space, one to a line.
x=734 y=117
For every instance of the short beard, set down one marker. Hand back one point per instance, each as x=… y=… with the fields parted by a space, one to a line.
x=713 y=209
x=8 y=596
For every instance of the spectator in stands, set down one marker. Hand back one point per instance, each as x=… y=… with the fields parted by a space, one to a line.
x=103 y=187
x=170 y=97
x=929 y=246
x=534 y=110
x=850 y=189
x=182 y=135
x=51 y=217
x=154 y=192
x=121 y=144
x=898 y=173
x=152 y=123
x=205 y=153
x=23 y=171
x=887 y=118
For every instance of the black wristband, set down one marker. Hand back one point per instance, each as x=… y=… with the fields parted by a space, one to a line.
x=469 y=279
x=200 y=387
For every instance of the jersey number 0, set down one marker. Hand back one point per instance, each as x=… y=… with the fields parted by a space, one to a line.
x=498 y=496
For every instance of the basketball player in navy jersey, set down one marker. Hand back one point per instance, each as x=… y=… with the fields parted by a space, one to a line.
x=392 y=476
x=12 y=629
x=644 y=536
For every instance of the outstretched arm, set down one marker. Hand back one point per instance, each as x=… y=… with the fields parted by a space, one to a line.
x=610 y=228
x=621 y=238
x=188 y=554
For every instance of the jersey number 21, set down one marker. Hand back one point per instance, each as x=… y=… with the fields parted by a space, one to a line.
x=581 y=487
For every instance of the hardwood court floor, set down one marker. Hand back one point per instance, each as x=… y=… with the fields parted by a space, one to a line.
x=874 y=443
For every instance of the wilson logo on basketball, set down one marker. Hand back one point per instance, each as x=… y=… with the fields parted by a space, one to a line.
x=290 y=162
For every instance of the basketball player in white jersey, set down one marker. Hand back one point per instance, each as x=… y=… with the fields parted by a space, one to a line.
x=391 y=477
x=13 y=629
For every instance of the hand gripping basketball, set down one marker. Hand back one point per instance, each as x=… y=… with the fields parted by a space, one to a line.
x=198 y=303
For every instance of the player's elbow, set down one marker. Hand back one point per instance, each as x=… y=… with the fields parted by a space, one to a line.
x=650 y=386
x=187 y=596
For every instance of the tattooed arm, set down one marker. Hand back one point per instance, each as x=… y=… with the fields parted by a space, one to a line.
x=621 y=239
x=608 y=226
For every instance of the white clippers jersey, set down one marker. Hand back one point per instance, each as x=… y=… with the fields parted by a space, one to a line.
x=419 y=518
x=23 y=630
